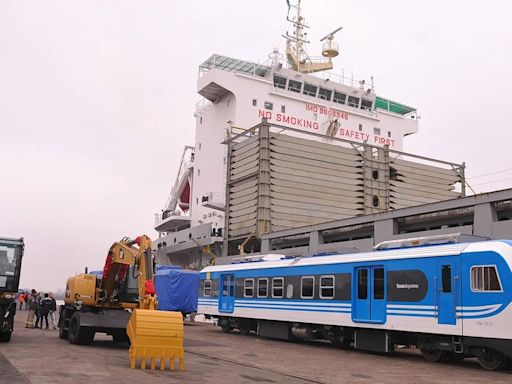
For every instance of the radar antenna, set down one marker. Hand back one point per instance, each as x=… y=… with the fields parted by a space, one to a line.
x=296 y=54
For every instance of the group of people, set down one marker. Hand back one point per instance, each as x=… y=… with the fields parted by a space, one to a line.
x=40 y=306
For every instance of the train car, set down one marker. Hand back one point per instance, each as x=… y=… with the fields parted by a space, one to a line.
x=450 y=299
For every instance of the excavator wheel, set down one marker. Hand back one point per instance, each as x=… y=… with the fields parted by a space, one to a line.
x=77 y=334
x=156 y=337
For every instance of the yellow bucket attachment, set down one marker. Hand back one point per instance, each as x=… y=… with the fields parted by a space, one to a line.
x=156 y=335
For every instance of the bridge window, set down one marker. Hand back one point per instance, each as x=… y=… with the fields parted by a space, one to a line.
x=310 y=89
x=307 y=287
x=248 y=287
x=207 y=291
x=485 y=279
x=279 y=82
x=325 y=94
x=327 y=287
x=262 y=287
x=294 y=86
x=366 y=104
x=339 y=98
x=353 y=101
x=269 y=105
x=277 y=286
x=254 y=102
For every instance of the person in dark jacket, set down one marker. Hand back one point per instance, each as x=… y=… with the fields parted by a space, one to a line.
x=38 y=310
x=46 y=306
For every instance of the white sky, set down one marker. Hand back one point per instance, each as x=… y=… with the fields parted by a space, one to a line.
x=97 y=98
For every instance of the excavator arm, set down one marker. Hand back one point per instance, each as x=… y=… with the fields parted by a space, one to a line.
x=155 y=336
x=121 y=255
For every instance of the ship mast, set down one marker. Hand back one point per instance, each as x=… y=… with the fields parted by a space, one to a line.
x=296 y=54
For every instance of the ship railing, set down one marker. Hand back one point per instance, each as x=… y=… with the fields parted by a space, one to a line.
x=161 y=217
x=202 y=105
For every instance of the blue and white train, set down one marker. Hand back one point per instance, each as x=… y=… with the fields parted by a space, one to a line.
x=450 y=300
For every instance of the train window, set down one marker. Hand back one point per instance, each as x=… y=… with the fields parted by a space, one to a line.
x=289 y=291
x=378 y=283
x=327 y=287
x=307 y=287
x=207 y=291
x=446 y=276
x=362 y=284
x=485 y=278
x=262 y=287
x=248 y=287
x=277 y=286
x=231 y=285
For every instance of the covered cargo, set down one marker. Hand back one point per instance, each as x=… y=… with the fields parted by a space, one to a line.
x=177 y=289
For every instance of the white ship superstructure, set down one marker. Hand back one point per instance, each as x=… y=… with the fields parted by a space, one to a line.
x=297 y=93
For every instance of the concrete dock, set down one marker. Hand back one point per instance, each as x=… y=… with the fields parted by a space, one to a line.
x=37 y=356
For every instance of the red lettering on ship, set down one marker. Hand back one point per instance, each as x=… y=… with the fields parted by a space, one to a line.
x=340 y=115
x=288 y=120
x=365 y=137
x=383 y=141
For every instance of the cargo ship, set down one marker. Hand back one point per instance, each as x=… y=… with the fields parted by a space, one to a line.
x=286 y=143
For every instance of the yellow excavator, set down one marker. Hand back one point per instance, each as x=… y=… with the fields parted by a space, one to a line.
x=122 y=302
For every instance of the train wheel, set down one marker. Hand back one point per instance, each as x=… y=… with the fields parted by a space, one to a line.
x=226 y=327
x=432 y=355
x=491 y=360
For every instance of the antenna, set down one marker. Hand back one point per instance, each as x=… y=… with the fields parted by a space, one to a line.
x=296 y=53
x=331 y=35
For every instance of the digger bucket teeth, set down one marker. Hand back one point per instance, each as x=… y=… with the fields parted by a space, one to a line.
x=156 y=339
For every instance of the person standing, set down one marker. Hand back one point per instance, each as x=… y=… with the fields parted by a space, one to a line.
x=30 y=304
x=46 y=306
x=53 y=310
x=21 y=299
x=38 y=311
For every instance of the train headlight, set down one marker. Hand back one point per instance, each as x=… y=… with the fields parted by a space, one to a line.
x=8 y=296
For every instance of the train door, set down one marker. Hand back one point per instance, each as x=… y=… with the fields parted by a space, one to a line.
x=446 y=292
x=369 y=295
x=227 y=293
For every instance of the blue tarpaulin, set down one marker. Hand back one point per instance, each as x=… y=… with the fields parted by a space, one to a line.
x=177 y=289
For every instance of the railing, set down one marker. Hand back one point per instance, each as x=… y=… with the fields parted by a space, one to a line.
x=202 y=105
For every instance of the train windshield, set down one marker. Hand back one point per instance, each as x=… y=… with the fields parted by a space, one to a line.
x=9 y=266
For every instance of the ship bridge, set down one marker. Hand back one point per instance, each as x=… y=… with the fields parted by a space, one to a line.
x=213 y=91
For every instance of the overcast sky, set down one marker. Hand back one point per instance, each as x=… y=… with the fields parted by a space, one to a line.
x=97 y=101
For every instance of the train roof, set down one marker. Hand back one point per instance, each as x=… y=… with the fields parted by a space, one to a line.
x=393 y=254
